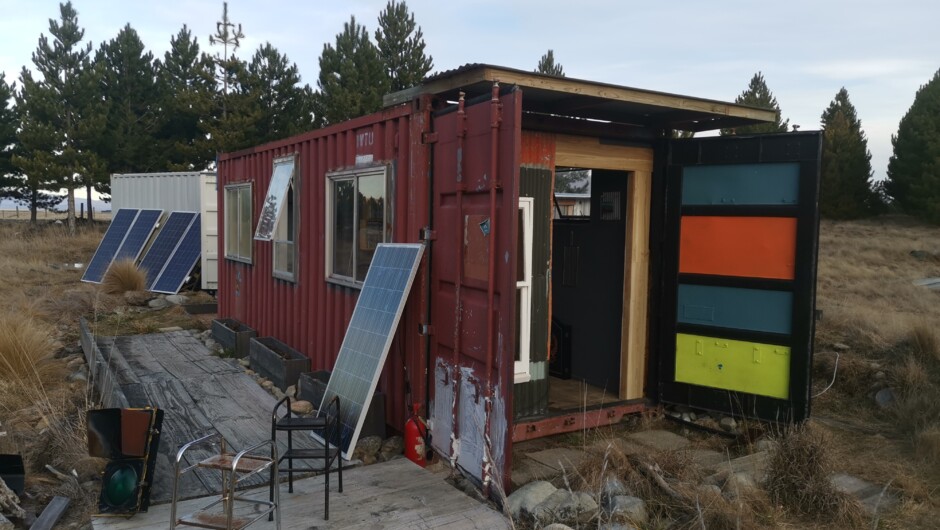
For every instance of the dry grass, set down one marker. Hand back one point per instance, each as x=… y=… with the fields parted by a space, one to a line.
x=123 y=276
x=798 y=479
x=26 y=350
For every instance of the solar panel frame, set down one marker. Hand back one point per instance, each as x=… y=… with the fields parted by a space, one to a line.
x=104 y=254
x=183 y=259
x=139 y=233
x=159 y=253
x=369 y=336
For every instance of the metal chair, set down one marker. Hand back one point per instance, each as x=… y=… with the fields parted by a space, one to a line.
x=235 y=467
x=327 y=425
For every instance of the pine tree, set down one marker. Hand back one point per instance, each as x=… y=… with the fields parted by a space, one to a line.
x=400 y=43
x=273 y=83
x=758 y=95
x=352 y=77
x=59 y=112
x=547 y=65
x=846 y=191
x=914 y=168
x=228 y=35
x=8 y=124
x=186 y=88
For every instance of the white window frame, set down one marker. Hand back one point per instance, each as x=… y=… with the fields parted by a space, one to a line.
x=277 y=239
x=524 y=287
x=231 y=235
x=353 y=175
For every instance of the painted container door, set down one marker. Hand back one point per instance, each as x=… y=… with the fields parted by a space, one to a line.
x=739 y=275
x=471 y=337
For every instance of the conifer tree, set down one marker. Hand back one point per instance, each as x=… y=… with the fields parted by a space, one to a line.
x=758 y=95
x=284 y=106
x=186 y=88
x=400 y=43
x=547 y=65
x=8 y=125
x=60 y=113
x=845 y=191
x=352 y=77
x=914 y=168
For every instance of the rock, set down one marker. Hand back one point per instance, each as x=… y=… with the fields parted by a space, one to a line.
x=176 y=299
x=158 y=303
x=554 y=526
x=291 y=391
x=840 y=346
x=564 y=505
x=267 y=384
x=212 y=345
x=394 y=445
x=5 y=523
x=89 y=468
x=368 y=460
x=612 y=487
x=765 y=444
x=244 y=363
x=884 y=398
x=738 y=485
x=250 y=372
x=709 y=490
x=137 y=298
x=303 y=407
x=625 y=507
x=616 y=526
x=169 y=329
x=370 y=445
x=78 y=376
x=879 y=375
x=278 y=395
x=522 y=501
x=728 y=423
x=660 y=440
x=75 y=363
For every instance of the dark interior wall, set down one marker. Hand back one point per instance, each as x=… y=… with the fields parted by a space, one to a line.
x=587 y=281
x=531 y=399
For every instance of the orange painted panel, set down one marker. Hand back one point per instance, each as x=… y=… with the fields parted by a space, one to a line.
x=538 y=149
x=759 y=247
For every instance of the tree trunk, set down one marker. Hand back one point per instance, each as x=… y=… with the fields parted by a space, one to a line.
x=32 y=206
x=71 y=211
x=91 y=211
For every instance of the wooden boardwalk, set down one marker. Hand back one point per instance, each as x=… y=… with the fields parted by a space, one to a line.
x=199 y=393
x=394 y=494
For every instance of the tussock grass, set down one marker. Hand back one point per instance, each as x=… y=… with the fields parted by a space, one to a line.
x=123 y=276
x=798 y=478
x=26 y=349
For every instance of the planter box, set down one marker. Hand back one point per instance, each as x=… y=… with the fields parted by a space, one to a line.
x=12 y=472
x=312 y=386
x=277 y=361
x=233 y=335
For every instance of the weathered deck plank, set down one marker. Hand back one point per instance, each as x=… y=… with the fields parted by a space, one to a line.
x=394 y=494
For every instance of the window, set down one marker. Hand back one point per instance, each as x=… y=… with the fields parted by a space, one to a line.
x=278 y=221
x=238 y=222
x=357 y=220
x=572 y=194
x=524 y=290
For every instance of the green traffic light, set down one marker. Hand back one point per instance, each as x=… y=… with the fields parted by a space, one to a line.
x=120 y=486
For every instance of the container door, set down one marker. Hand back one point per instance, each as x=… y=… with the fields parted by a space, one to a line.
x=473 y=283
x=739 y=275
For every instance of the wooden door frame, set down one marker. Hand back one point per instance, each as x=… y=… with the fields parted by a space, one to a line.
x=588 y=152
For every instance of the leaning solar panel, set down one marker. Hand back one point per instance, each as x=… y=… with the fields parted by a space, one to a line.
x=138 y=235
x=370 y=334
x=166 y=241
x=110 y=243
x=181 y=262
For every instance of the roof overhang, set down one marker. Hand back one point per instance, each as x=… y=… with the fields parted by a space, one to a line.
x=589 y=100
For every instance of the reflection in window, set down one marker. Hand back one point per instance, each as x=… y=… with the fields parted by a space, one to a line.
x=238 y=222
x=358 y=219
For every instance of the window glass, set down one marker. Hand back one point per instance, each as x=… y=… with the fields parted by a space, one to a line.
x=274 y=200
x=357 y=221
x=244 y=222
x=284 y=239
x=343 y=210
x=238 y=222
x=371 y=220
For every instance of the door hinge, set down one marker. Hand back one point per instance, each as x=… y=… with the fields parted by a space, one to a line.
x=426 y=234
x=429 y=137
x=425 y=329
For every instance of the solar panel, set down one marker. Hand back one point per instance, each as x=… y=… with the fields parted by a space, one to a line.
x=370 y=334
x=110 y=243
x=181 y=261
x=138 y=235
x=166 y=241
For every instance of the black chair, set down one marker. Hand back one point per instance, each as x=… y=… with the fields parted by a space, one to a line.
x=326 y=424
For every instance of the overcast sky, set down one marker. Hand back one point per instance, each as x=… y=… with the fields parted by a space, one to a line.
x=880 y=51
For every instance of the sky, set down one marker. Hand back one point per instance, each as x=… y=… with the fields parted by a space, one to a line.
x=880 y=51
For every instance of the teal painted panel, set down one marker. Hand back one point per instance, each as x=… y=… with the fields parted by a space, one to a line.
x=736 y=184
x=736 y=308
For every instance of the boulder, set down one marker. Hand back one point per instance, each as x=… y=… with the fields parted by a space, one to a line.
x=728 y=423
x=394 y=445
x=176 y=299
x=291 y=391
x=738 y=485
x=884 y=398
x=566 y=506
x=612 y=487
x=522 y=501
x=303 y=407
x=158 y=303
x=370 y=445
x=626 y=507
x=212 y=345
x=267 y=384
x=244 y=363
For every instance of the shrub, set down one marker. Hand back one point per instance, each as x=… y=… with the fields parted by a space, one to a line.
x=123 y=276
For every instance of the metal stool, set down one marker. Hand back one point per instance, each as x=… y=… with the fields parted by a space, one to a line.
x=235 y=467
x=326 y=424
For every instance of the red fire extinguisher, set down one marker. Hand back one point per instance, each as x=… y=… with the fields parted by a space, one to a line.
x=417 y=438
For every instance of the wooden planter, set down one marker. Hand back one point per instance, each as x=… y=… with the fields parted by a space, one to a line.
x=277 y=361
x=233 y=335
x=312 y=386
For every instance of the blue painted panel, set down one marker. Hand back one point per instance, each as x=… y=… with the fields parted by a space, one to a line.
x=736 y=308
x=765 y=184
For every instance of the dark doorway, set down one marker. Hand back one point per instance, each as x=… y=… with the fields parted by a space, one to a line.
x=587 y=276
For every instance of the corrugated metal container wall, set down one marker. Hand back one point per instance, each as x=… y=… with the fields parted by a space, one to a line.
x=311 y=314
x=169 y=191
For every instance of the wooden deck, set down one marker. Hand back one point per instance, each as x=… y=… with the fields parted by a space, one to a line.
x=199 y=393
x=394 y=494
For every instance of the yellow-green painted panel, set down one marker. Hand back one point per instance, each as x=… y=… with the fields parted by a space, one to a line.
x=750 y=367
